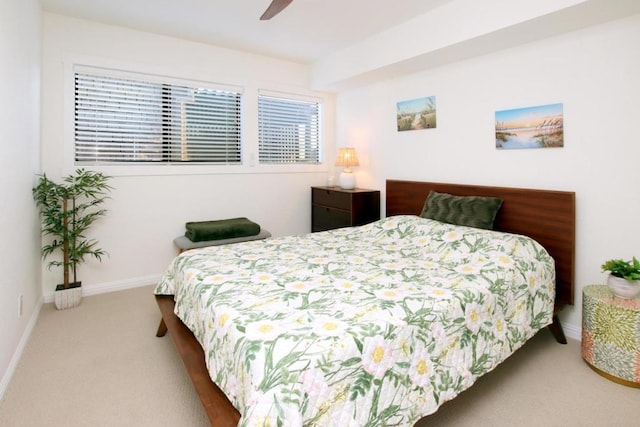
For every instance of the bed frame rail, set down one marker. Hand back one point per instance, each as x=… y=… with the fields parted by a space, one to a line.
x=220 y=411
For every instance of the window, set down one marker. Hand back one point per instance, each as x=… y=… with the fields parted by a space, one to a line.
x=128 y=120
x=288 y=130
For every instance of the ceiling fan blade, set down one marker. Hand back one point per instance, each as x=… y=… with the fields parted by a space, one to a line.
x=274 y=8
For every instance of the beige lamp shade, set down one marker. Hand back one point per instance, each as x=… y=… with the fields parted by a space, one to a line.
x=347 y=157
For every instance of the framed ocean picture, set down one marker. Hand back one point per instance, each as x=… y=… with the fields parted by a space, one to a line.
x=531 y=127
x=416 y=114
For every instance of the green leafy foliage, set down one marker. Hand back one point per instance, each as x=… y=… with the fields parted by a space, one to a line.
x=67 y=211
x=629 y=270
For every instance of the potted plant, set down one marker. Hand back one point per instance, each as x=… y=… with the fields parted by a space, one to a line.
x=624 y=277
x=67 y=211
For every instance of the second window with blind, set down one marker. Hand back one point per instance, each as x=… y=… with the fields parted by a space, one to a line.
x=288 y=130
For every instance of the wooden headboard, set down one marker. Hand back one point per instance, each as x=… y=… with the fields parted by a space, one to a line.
x=544 y=215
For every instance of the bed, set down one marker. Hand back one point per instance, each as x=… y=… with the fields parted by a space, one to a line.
x=377 y=324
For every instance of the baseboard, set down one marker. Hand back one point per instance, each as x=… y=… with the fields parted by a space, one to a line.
x=13 y=363
x=103 y=288
x=573 y=332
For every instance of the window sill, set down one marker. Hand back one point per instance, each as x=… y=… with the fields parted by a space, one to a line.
x=191 y=169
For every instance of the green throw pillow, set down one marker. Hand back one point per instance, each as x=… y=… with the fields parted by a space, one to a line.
x=472 y=211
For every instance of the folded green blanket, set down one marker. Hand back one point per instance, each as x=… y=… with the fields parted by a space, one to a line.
x=220 y=229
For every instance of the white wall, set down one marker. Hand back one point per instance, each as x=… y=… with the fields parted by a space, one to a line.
x=146 y=212
x=19 y=121
x=593 y=72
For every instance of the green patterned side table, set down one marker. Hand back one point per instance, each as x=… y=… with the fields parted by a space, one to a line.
x=611 y=335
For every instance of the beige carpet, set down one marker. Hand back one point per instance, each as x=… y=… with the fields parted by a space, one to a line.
x=100 y=364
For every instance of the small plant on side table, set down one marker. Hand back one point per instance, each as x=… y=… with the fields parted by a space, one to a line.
x=624 y=277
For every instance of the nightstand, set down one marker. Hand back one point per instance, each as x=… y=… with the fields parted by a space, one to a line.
x=611 y=335
x=333 y=207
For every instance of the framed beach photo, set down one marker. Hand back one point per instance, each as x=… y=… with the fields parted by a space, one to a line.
x=531 y=127
x=416 y=114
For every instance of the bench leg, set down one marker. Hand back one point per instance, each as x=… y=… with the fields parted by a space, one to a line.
x=162 y=329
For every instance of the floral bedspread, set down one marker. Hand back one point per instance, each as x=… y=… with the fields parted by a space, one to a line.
x=362 y=326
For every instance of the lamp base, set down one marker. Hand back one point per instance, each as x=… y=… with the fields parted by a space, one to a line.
x=347 y=181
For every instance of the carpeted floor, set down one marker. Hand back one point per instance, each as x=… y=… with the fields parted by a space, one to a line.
x=100 y=364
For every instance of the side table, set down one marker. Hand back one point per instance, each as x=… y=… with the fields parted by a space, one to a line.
x=333 y=207
x=611 y=335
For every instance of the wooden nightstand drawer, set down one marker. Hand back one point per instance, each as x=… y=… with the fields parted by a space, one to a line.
x=332 y=198
x=327 y=218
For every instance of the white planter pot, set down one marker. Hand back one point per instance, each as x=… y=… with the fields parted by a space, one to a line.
x=623 y=288
x=68 y=298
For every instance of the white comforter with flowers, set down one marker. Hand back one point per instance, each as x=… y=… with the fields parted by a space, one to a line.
x=363 y=326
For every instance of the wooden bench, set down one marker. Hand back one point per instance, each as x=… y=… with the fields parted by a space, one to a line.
x=184 y=244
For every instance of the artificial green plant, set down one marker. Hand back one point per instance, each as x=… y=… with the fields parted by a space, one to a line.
x=629 y=270
x=67 y=211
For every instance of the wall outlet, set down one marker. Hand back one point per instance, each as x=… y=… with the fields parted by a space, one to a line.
x=20 y=306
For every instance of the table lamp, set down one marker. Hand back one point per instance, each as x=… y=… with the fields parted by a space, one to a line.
x=347 y=157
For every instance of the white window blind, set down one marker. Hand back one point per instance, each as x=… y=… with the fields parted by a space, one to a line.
x=288 y=131
x=126 y=120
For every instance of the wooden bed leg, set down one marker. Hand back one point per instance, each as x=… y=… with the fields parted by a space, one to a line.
x=556 y=330
x=162 y=329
